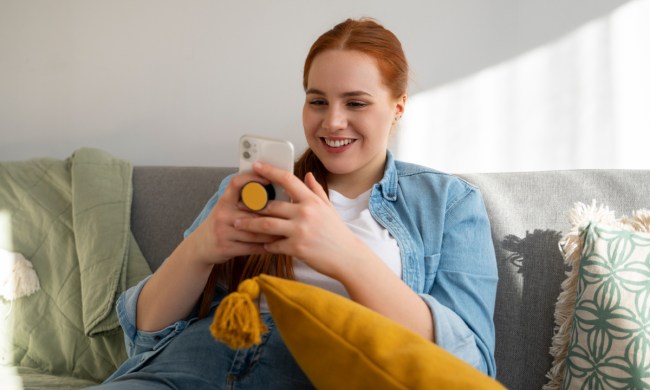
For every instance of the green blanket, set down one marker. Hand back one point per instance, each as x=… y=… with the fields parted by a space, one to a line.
x=71 y=219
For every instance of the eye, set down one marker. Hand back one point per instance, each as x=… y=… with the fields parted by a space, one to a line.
x=357 y=104
x=318 y=102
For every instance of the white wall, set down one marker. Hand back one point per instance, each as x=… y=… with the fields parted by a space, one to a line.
x=163 y=82
x=578 y=102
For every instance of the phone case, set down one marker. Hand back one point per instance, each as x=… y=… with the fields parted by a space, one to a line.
x=278 y=153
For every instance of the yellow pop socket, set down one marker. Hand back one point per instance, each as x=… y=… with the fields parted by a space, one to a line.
x=256 y=196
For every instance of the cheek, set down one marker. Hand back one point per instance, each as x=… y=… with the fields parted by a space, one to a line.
x=383 y=120
x=309 y=120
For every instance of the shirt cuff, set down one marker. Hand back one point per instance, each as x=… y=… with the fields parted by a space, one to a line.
x=453 y=335
x=138 y=341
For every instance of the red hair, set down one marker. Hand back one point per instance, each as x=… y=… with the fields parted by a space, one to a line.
x=366 y=36
x=371 y=38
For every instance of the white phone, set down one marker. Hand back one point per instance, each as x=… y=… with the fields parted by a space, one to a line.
x=278 y=153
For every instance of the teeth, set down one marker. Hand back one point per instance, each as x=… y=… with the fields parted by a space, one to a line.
x=337 y=143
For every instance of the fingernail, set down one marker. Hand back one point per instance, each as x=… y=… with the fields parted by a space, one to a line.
x=237 y=223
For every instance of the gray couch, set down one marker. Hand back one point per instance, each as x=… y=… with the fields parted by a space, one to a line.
x=528 y=212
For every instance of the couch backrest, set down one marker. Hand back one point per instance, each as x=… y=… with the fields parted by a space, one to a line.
x=166 y=200
x=528 y=212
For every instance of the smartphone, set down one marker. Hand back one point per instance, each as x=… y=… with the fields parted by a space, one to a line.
x=278 y=153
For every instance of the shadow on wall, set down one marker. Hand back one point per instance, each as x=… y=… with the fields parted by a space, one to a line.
x=485 y=34
x=537 y=258
x=525 y=252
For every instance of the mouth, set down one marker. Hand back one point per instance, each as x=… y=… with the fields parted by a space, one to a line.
x=337 y=143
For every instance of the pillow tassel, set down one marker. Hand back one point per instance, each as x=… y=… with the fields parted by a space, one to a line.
x=237 y=322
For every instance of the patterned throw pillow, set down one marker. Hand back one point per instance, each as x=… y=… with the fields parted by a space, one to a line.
x=602 y=316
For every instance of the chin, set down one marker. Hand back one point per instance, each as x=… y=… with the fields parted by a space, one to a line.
x=338 y=167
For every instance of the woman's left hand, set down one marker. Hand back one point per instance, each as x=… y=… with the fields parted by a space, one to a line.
x=309 y=228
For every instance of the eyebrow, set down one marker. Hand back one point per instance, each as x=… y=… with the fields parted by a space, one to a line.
x=313 y=91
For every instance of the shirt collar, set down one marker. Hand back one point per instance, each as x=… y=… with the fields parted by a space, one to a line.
x=388 y=184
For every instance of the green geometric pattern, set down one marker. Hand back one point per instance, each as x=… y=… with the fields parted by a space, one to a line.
x=609 y=346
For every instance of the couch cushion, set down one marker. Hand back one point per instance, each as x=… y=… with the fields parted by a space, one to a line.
x=23 y=378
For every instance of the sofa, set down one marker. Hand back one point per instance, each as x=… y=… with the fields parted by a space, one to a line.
x=528 y=213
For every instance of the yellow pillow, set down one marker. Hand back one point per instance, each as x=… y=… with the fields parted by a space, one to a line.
x=340 y=344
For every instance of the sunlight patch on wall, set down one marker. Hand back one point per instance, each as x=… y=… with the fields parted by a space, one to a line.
x=579 y=102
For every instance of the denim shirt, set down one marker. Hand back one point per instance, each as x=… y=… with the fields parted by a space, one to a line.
x=448 y=259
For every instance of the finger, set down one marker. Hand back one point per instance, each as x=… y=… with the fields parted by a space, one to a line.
x=292 y=185
x=278 y=209
x=243 y=244
x=286 y=210
x=264 y=225
x=315 y=187
x=252 y=237
x=245 y=249
x=277 y=246
x=246 y=177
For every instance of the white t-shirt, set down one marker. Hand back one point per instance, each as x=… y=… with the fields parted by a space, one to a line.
x=357 y=217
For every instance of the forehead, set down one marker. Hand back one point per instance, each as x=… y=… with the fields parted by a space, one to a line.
x=344 y=69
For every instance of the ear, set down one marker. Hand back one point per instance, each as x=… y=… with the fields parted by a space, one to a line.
x=400 y=106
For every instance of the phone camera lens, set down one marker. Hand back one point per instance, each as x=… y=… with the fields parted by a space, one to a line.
x=246 y=155
x=246 y=145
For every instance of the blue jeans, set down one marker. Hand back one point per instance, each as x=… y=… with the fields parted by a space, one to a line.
x=194 y=360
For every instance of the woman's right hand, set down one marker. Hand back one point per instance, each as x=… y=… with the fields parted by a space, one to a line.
x=216 y=240
x=173 y=290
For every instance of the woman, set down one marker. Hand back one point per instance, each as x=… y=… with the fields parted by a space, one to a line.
x=408 y=242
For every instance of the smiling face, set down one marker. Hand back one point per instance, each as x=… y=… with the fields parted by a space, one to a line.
x=347 y=117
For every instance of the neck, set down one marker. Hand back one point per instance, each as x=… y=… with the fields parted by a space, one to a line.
x=353 y=184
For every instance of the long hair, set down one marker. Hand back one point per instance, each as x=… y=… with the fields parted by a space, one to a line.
x=364 y=35
x=240 y=268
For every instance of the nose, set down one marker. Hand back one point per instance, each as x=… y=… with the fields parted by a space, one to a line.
x=335 y=119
